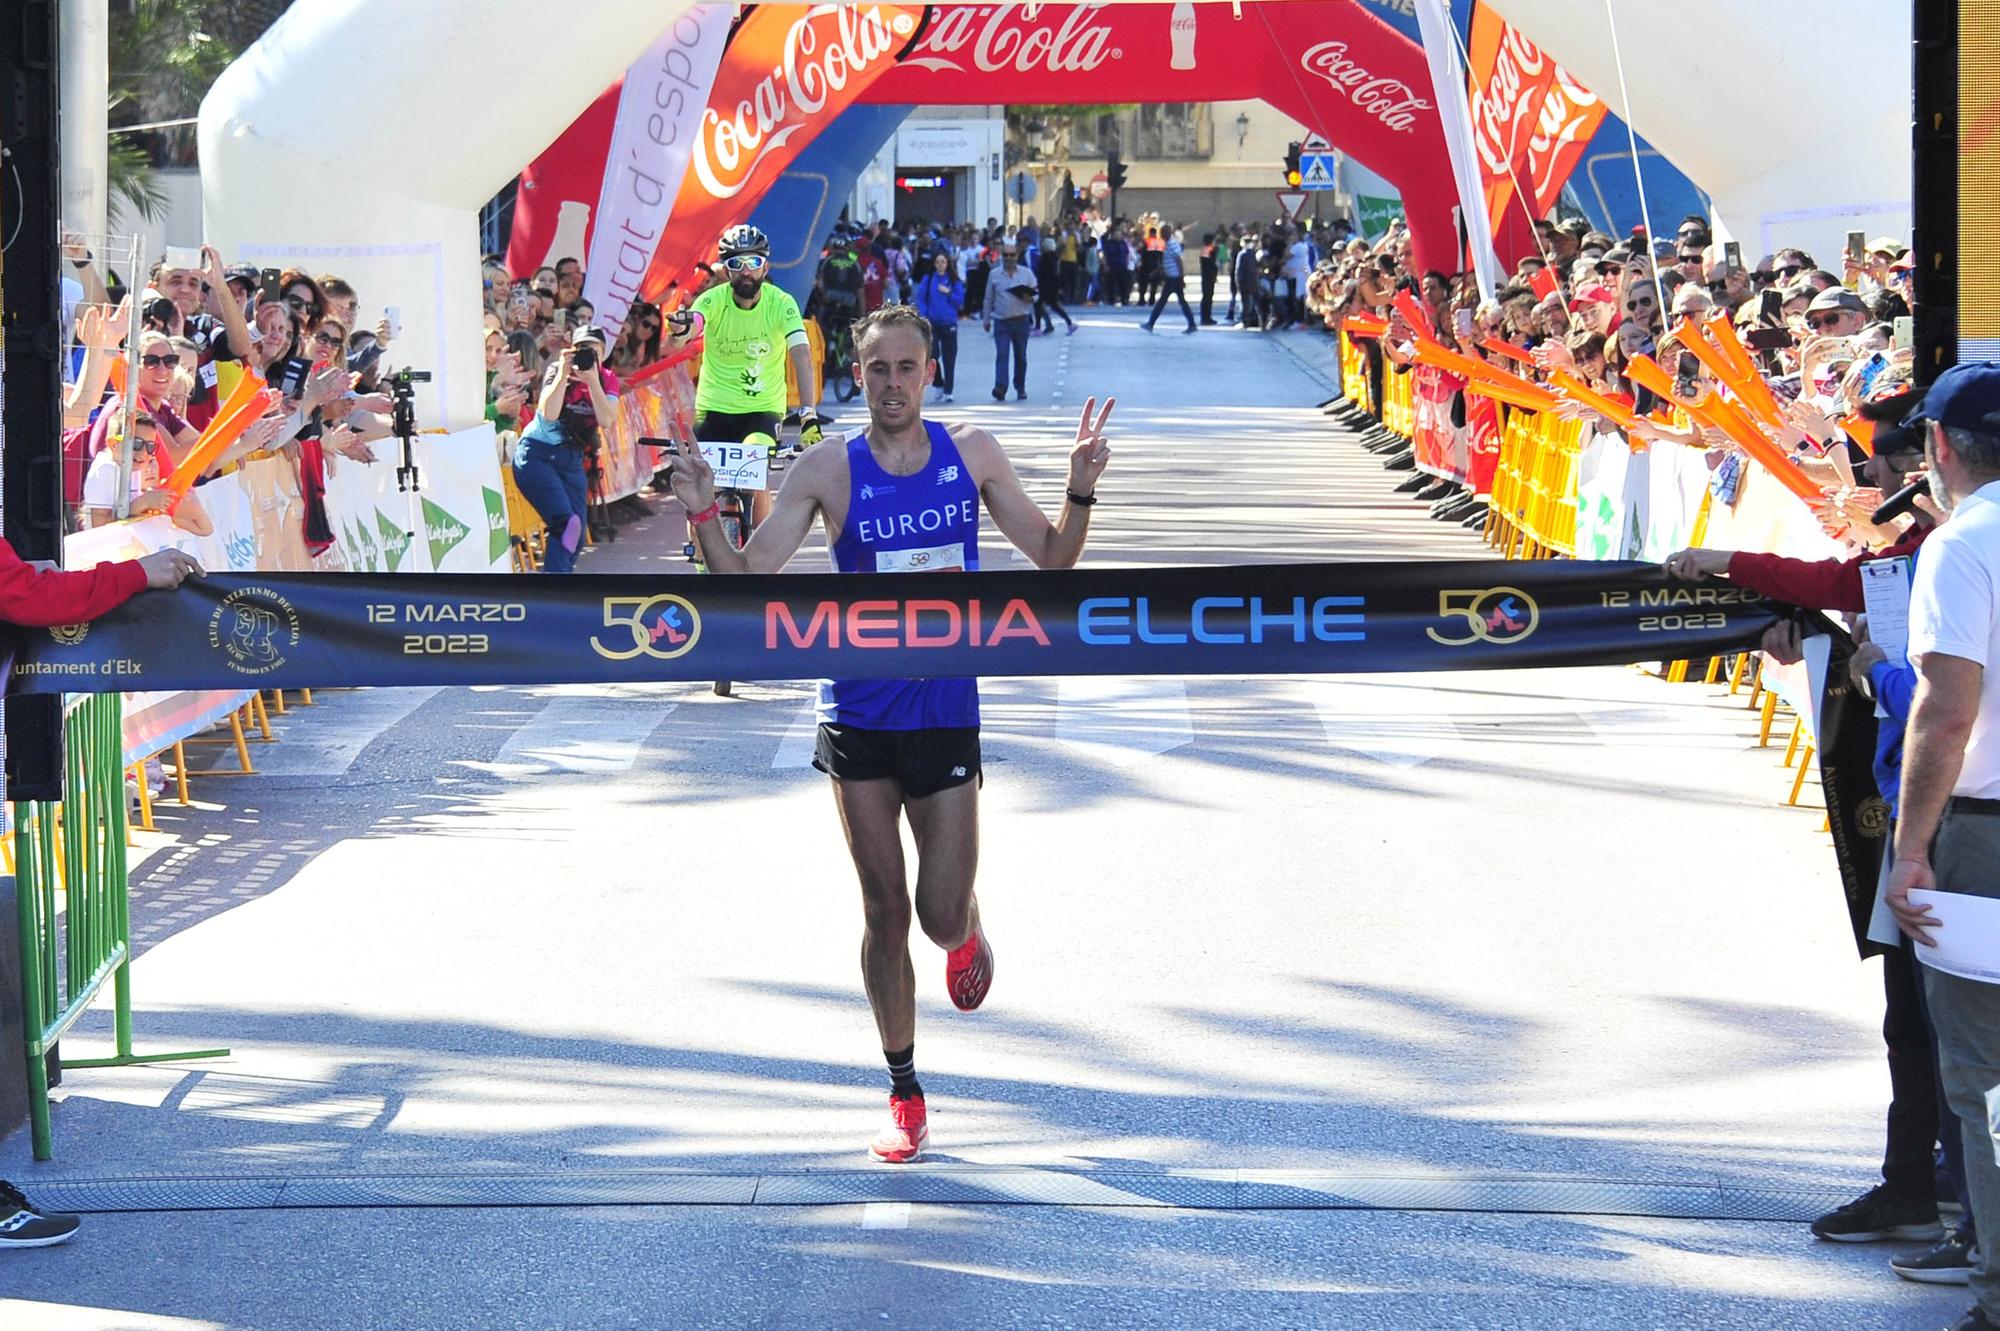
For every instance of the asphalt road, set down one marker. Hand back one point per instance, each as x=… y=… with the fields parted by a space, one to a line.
x=1320 y=1002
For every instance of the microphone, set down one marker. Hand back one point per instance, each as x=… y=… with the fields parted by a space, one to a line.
x=1901 y=502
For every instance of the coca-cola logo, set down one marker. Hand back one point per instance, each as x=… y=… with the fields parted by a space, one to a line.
x=825 y=48
x=1504 y=108
x=1570 y=115
x=1014 y=37
x=1390 y=101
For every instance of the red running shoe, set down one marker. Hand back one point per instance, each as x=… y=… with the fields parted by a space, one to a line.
x=907 y=1134
x=968 y=971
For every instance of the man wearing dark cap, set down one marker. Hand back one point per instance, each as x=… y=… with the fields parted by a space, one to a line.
x=1903 y=1207
x=242 y=279
x=1836 y=312
x=1947 y=840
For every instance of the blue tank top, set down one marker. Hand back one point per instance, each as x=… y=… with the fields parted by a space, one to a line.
x=925 y=523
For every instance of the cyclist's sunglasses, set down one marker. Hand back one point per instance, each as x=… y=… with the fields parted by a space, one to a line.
x=745 y=263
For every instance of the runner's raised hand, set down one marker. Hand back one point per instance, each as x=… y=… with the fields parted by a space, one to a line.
x=1087 y=459
x=692 y=479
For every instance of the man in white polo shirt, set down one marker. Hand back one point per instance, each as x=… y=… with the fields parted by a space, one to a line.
x=1949 y=836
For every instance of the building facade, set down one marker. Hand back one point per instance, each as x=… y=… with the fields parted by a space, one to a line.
x=1198 y=163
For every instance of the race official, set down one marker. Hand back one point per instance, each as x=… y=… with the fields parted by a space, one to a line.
x=1948 y=837
x=33 y=597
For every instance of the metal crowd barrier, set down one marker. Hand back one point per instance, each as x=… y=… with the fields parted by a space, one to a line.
x=76 y=928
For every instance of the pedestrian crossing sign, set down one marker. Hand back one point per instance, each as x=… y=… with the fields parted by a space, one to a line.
x=1316 y=171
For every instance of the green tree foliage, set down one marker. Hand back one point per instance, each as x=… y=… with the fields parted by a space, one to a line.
x=164 y=56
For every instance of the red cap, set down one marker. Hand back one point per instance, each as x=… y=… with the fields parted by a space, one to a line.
x=1594 y=292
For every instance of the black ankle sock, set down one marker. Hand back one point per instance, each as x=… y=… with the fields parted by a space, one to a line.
x=903 y=1073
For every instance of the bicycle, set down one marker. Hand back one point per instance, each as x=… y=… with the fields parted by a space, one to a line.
x=751 y=463
x=839 y=374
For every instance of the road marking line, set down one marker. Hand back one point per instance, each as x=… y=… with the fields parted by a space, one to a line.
x=581 y=734
x=885 y=1215
x=1118 y=721
x=801 y=739
x=1396 y=724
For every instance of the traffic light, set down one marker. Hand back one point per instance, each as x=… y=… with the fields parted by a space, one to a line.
x=1114 y=171
x=1292 y=176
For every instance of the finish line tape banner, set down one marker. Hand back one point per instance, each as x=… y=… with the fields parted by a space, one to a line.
x=301 y=631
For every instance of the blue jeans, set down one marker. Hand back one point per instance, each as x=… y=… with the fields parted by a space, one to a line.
x=944 y=338
x=1011 y=335
x=551 y=479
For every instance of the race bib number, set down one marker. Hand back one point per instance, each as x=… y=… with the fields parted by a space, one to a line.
x=937 y=559
x=739 y=466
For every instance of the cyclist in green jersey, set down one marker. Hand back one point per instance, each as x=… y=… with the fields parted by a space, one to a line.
x=749 y=329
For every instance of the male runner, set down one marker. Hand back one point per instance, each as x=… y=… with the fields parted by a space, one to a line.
x=748 y=330
x=899 y=746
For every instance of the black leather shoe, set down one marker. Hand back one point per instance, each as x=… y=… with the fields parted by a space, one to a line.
x=1404 y=461
x=1416 y=481
x=1438 y=491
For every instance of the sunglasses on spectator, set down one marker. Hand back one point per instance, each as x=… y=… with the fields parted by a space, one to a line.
x=1638 y=303
x=1824 y=319
x=1789 y=270
x=745 y=263
x=303 y=305
x=1718 y=288
x=327 y=339
x=160 y=362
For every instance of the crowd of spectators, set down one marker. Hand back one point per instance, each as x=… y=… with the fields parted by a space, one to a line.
x=1830 y=343
x=151 y=367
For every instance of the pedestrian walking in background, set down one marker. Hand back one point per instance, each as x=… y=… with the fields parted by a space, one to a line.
x=1211 y=261
x=939 y=297
x=1172 y=279
x=1008 y=314
x=1048 y=276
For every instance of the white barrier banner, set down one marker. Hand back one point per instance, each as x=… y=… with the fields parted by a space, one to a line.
x=659 y=116
x=455 y=521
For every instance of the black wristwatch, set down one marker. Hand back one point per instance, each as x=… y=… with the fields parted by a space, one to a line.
x=1081 y=501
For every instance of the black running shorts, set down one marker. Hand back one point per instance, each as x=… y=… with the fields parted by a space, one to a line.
x=733 y=427
x=922 y=762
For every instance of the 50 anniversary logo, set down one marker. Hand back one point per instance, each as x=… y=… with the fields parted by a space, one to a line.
x=413 y=629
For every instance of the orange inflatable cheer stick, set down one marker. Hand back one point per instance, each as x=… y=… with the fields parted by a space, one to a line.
x=1691 y=335
x=1713 y=411
x=1478 y=371
x=1749 y=384
x=1361 y=325
x=1861 y=430
x=242 y=407
x=1503 y=393
x=1507 y=349
x=1414 y=314
x=1572 y=387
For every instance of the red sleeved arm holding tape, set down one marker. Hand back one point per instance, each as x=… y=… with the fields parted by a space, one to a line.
x=1815 y=584
x=38 y=598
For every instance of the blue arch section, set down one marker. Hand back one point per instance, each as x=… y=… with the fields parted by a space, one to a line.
x=805 y=202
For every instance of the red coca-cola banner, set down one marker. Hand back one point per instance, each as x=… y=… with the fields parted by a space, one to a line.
x=1328 y=64
x=1468 y=453
x=1531 y=121
x=789 y=72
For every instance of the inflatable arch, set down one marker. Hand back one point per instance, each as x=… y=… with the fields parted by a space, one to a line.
x=433 y=126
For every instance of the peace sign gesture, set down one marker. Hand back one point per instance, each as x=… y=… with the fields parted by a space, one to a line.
x=1087 y=459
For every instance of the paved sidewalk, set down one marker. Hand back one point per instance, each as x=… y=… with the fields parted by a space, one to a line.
x=515 y=977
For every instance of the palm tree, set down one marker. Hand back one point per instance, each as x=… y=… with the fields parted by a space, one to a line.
x=164 y=56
